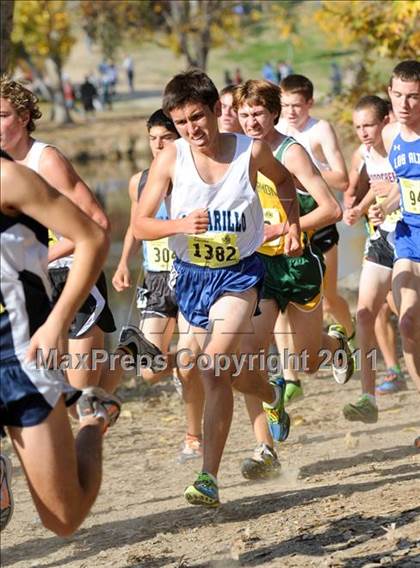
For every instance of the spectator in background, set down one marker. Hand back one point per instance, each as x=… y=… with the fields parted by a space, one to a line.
x=268 y=72
x=238 y=77
x=283 y=70
x=128 y=65
x=69 y=93
x=227 y=77
x=88 y=93
x=336 y=79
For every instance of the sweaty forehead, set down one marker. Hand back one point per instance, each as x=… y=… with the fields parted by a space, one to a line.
x=405 y=87
x=292 y=99
x=187 y=110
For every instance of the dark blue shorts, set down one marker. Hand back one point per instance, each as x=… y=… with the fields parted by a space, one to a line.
x=28 y=394
x=407 y=241
x=198 y=287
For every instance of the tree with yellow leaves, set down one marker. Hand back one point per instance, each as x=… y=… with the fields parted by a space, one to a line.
x=379 y=30
x=43 y=28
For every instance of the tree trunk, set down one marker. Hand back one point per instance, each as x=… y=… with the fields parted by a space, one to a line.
x=59 y=113
x=6 y=25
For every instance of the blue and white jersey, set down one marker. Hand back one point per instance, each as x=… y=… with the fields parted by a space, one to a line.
x=157 y=256
x=24 y=306
x=405 y=160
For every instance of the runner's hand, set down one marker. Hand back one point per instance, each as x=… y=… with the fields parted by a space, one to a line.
x=196 y=222
x=48 y=340
x=351 y=216
x=376 y=214
x=292 y=244
x=121 y=279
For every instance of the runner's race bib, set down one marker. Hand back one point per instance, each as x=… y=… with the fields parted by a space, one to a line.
x=410 y=189
x=215 y=250
x=159 y=255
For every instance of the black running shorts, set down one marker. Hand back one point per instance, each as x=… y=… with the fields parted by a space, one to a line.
x=326 y=238
x=95 y=310
x=155 y=298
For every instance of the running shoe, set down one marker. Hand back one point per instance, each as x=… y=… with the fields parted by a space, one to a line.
x=364 y=410
x=133 y=342
x=203 y=492
x=264 y=464
x=352 y=341
x=342 y=369
x=393 y=382
x=293 y=392
x=96 y=402
x=6 y=495
x=192 y=448
x=277 y=418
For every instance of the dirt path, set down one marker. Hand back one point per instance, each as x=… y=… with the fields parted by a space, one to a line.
x=348 y=496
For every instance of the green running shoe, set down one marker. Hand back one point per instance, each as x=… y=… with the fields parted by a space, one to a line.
x=277 y=418
x=264 y=464
x=342 y=367
x=203 y=492
x=364 y=410
x=293 y=392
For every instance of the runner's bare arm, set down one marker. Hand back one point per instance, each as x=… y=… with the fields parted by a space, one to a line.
x=337 y=178
x=298 y=162
x=121 y=278
x=25 y=191
x=59 y=173
x=263 y=161
x=358 y=180
x=144 y=224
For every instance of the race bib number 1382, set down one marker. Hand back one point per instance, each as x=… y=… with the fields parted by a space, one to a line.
x=215 y=251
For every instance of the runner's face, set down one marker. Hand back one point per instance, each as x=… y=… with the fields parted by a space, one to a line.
x=256 y=120
x=295 y=108
x=159 y=137
x=197 y=124
x=368 y=126
x=12 y=125
x=405 y=99
x=228 y=121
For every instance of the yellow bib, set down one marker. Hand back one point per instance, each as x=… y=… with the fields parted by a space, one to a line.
x=159 y=256
x=410 y=189
x=273 y=211
x=214 y=250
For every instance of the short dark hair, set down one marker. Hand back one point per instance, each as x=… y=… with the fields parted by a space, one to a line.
x=381 y=107
x=159 y=118
x=192 y=86
x=298 y=84
x=408 y=70
x=228 y=90
x=258 y=92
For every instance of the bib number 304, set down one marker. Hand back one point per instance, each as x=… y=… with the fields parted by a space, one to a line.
x=215 y=251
